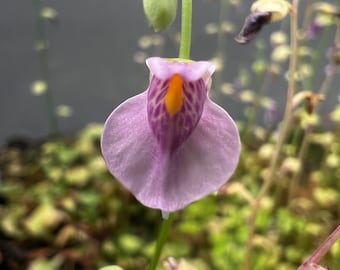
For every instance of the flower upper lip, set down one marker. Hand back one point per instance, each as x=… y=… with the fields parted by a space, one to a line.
x=189 y=70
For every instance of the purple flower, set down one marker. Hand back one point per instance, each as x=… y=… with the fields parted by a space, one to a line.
x=171 y=145
x=314 y=30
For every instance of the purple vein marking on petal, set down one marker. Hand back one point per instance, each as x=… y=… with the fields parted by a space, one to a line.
x=171 y=132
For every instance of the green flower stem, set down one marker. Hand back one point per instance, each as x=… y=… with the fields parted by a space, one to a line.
x=284 y=130
x=184 y=50
x=41 y=44
x=184 y=53
x=161 y=241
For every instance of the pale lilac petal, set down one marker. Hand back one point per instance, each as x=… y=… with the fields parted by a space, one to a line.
x=131 y=151
x=169 y=161
x=205 y=162
x=132 y=154
x=160 y=180
x=189 y=71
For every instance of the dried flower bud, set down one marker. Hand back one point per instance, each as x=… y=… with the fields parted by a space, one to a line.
x=275 y=69
x=278 y=38
x=39 y=87
x=278 y=8
x=324 y=139
x=50 y=14
x=333 y=161
x=334 y=54
x=335 y=115
x=314 y=30
x=326 y=8
x=280 y=53
x=311 y=102
x=326 y=14
x=308 y=121
x=252 y=25
x=325 y=197
x=262 y=12
x=266 y=152
x=160 y=13
x=111 y=267
x=171 y=264
x=310 y=99
x=290 y=166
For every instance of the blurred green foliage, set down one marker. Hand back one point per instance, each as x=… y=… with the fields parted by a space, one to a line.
x=61 y=209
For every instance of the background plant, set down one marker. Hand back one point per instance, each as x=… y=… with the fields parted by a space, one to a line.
x=96 y=219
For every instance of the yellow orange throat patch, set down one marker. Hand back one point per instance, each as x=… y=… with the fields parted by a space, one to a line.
x=174 y=95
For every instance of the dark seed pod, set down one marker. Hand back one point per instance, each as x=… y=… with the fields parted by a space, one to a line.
x=252 y=25
x=312 y=102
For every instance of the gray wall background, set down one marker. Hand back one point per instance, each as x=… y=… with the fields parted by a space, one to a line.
x=91 y=60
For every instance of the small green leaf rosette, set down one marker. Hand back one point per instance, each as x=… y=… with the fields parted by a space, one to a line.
x=160 y=13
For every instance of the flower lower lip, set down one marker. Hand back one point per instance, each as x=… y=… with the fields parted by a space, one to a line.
x=169 y=161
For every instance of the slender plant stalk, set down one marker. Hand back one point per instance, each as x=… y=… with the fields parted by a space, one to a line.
x=161 y=241
x=184 y=50
x=337 y=34
x=42 y=48
x=308 y=17
x=301 y=157
x=305 y=141
x=184 y=53
x=321 y=250
x=325 y=86
x=269 y=178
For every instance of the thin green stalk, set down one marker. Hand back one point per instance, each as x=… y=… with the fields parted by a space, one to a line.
x=184 y=53
x=184 y=50
x=161 y=241
x=308 y=17
x=42 y=48
x=301 y=157
x=337 y=34
x=325 y=86
x=269 y=178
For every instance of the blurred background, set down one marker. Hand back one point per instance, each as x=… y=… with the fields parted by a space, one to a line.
x=93 y=50
x=60 y=209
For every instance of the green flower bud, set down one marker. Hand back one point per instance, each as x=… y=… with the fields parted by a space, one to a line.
x=160 y=13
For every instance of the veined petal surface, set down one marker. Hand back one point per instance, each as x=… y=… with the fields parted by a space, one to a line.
x=173 y=130
x=169 y=182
